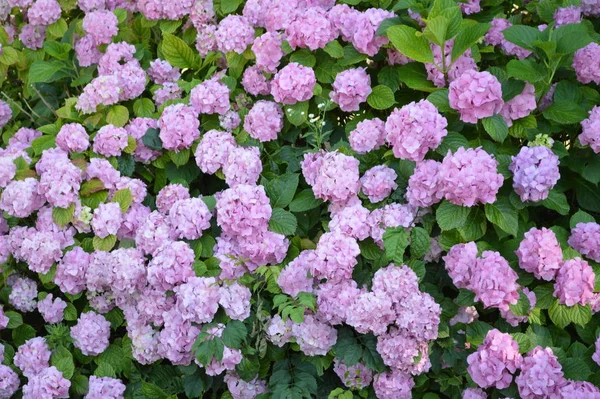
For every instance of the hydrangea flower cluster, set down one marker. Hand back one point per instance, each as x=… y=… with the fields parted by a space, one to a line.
x=585 y=239
x=590 y=134
x=535 y=172
x=476 y=95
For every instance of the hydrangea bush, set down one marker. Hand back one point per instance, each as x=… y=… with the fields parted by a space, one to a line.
x=296 y=199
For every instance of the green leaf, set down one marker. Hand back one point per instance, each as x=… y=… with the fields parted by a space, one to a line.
x=563 y=315
x=124 y=198
x=169 y=26
x=117 y=115
x=180 y=157
x=414 y=76
x=297 y=113
x=565 y=112
x=523 y=341
x=450 y=216
x=351 y=57
x=504 y=215
x=557 y=202
x=440 y=100
x=43 y=143
x=544 y=295
x=14 y=319
x=281 y=190
x=70 y=312
x=334 y=49
x=419 y=242
x=46 y=71
x=410 y=42
x=193 y=385
x=63 y=361
x=347 y=348
x=465 y=298
x=80 y=384
x=436 y=29
x=527 y=69
x=575 y=369
x=477 y=331
x=234 y=334
x=151 y=139
x=521 y=35
x=496 y=127
x=229 y=6
x=104 y=244
x=382 y=97
x=283 y=222
x=151 y=391
x=105 y=370
x=303 y=57
x=522 y=307
x=588 y=195
x=9 y=56
x=178 y=53
x=467 y=38
x=571 y=37
x=58 y=29
x=581 y=217
x=512 y=88
x=395 y=242
x=143 y=108
x=63 y=216
x=304 y=201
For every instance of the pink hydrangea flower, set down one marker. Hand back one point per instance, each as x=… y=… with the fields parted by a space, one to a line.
x=470 y=176
x=162 y=72
x=460 y=263
x=314 y=336
x=567 y=15
x=243 y=166
x=415 y=129
x=241 y=389
x=212 y=151
x=403 y=352
x=33 y=356
x=210 y=97
x=352 y=220
x=590 y=134
x=585 y=63
x=153 y=232
x=103 y=90
x=5 y=113
x=520 y=105
x=91 y=333
x=393 y=384
x=332 y=175
x=52 y=311
x=72 y=137
x=334 y=299
x=585 y=239
x=255 y=82
x=296 y=277
x=495 y=361
x=470 y=7
x=171 y=265
x=364 y=36
x=20 y=198
x=235 y=300
x=343 y=19
x=379 y=182
x=264 y=121
x=493 y=281
x=268 y=51
x=33 y=36
x=351 y=88
x=371 y=312
x=540 y=253
x=176 y=338
x=101 y=26
x=105 y=388
x=474 y=393
x=310 y=29
x=71 y=270
x=541 y=375
x=110 y=141
x=335 y=256
x=179 y=127
x=168 y=91
x=169 y=195
x=476 y=95
x=197 y=299
x=278 y=331
x=189 y=217
x=87 y=51
x=243 y=210
x=424 y=184
x=44 y=12
x=107 y=219
x=535 y=172
x=206 y=40
x=49 y=383
x=9 y=382
x=234 y=34
x=293 y=83
x=455 y=69
x=357 y=376
x=368 y=135
x=574 y=282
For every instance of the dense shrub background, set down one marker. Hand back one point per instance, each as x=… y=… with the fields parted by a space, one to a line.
x=320 y=202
